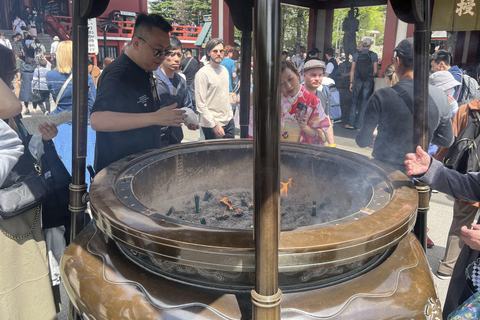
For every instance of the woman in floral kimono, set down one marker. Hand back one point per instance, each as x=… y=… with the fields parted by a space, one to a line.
x=303 y=119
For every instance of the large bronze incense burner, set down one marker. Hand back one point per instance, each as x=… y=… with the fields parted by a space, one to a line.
x=148 y=256
x=364 y=215
x=363 y=211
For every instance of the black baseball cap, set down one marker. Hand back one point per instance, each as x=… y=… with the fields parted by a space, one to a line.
x=404 y=49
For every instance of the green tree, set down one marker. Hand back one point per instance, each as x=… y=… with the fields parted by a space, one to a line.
x=184 y=11
x=295 y=27
x=199 y=8
x=372 y=24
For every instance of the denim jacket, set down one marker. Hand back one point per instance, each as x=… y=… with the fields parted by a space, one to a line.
x=55 y=81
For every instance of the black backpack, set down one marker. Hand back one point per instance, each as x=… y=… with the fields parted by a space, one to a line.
x=364 y=66
x=464 y=154
x=469 y=90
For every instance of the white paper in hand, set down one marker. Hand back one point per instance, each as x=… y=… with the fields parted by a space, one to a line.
x=192 y=117
x=32 y=123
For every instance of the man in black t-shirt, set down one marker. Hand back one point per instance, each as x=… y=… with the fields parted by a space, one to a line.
x=126 y=113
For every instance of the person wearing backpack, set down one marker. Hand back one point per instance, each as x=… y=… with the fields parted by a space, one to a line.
x=441 y=60
x=364 y=68
x=390 y=110
x=18 y=25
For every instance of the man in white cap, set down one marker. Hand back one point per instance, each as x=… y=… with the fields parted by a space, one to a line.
x=463 y=211
x=364 y=68
x=54 y=46
x=446 y=82
x=313 y=74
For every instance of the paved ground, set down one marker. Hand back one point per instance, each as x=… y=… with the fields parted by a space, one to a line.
x=439 y=217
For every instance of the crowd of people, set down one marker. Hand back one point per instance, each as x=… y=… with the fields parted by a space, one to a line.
x=139 y=101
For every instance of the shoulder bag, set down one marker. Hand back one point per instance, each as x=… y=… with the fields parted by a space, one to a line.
x=405 y=97
x=233 y=94
x=188 y=63
x=25 y=188
x=63 y=88
x=55 y=208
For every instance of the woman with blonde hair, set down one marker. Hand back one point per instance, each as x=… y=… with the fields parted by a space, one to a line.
x=390 y=75
x=59 y=82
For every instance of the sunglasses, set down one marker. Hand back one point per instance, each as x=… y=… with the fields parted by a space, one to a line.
x=217 y=51
x=156 y=53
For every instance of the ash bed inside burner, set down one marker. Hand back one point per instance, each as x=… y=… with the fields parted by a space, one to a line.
x=236 y=210
x=311 y=182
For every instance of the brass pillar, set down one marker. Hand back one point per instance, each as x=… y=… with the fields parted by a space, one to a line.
x=78 y=187
x=245 y=81
x=421 y=39
x=267 y=296
x=81 y=11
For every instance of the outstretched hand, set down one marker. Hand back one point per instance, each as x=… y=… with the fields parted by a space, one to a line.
x=471 y=236
x=170 y=116
x=417 y=163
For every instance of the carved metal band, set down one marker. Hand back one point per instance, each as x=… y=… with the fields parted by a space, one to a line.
x=246 y=280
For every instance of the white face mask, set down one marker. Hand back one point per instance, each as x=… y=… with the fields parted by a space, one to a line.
x=450 y=92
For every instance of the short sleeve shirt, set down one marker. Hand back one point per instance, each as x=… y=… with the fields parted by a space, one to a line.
x=124 y=87
x=17 y=46
x=230 y=65
x=329 y=68
x=373 y=55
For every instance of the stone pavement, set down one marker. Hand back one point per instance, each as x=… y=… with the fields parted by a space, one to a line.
x=439 y=216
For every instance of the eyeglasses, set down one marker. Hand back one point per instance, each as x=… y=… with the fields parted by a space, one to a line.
x=156 y=53
x=173 y=54
x=217 y=51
